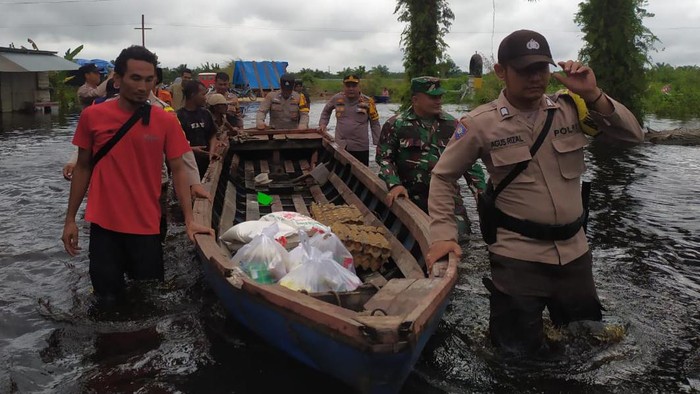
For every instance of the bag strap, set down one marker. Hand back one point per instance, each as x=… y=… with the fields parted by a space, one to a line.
x=520 y=167
x=143 y=112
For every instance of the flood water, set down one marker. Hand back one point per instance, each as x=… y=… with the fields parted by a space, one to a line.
x=645 y=236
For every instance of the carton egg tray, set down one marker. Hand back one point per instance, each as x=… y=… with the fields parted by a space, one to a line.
x=331 y=213
x=367 y=244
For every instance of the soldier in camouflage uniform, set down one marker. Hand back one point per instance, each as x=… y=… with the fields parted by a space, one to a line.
x=411 y=144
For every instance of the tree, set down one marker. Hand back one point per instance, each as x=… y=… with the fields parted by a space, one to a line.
x=379 y=71
x=617 y=47
x=360 y=71
x=448 y=68
x=423 y=39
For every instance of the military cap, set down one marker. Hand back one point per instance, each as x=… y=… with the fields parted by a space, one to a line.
x=427 y=85
x=522 y=48
x=287 y=81
x=351 y=78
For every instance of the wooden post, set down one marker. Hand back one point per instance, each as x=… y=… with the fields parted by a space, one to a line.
x=143 y=29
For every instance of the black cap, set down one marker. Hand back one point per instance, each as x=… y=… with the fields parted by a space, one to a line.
x=522 y=48
x=89 y=68
x=298 y=82
x=287 y=81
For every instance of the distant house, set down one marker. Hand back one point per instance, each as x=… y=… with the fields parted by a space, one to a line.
x=24 y=77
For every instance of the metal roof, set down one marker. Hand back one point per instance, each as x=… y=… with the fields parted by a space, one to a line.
x=14 y=60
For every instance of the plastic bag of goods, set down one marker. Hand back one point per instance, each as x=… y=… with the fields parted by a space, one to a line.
x=246 y=231
x=297 y=221
x=327 y=242
x=330 y=242
x=318 y=273
x=296 y=255
x=263 y=258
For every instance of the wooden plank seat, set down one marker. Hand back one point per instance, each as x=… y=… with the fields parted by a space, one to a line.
x=399 y=296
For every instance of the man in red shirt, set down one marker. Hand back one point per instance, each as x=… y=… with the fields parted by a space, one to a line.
x=125 y=184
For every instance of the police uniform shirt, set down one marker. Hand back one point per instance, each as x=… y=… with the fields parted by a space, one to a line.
x=547 y=191
x=290 y=113
x=352 y=118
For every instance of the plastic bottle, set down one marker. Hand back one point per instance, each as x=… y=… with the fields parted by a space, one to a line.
x=258 y=272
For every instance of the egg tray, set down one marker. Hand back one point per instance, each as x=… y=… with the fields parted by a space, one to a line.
x=367 y=244
x=331 y=213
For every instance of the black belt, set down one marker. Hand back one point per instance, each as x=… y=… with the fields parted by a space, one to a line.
x=545 y=232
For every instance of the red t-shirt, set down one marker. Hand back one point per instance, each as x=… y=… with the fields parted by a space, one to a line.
x=125 y=185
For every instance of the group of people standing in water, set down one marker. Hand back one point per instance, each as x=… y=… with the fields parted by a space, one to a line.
x=531 y=142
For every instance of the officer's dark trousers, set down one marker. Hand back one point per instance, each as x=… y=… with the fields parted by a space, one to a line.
x=520 y=291
x=361 y=155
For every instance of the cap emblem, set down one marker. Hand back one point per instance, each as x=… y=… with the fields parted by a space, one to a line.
x=532 y=44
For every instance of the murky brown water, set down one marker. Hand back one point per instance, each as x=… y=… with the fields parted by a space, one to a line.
x=646 y=246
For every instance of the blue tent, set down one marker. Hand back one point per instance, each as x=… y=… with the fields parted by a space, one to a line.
x=258 y=75
x=103 y=65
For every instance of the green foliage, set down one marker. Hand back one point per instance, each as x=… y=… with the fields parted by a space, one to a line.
x=380 y=71
x=672 y=92
x=360 y=71
x=423 y=38
x=70 y=55
x=490 y=89
x=617 y=47
x=66 y=96
x=169 y=74
x=371 y=86
x=207 y=68
x=448 y=68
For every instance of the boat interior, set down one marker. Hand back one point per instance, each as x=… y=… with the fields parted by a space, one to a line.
x=394 y=290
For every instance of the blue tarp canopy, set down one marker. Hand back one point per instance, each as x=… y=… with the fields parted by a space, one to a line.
x=103 y=65
x=259 y=75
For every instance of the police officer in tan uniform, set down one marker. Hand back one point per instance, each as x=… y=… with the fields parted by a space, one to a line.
x=287 y=108
x=540 y=257
x=354 y=111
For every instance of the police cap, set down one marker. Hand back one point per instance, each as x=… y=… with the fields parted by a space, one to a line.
x=287 y=82
x=522 y=48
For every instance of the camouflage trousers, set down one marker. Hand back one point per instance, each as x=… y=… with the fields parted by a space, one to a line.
x=462 y=220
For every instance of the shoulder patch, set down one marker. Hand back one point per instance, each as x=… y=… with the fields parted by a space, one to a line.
x=460 y=131
x=504 y=111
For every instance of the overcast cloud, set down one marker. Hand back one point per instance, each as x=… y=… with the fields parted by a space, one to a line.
x=323 y=34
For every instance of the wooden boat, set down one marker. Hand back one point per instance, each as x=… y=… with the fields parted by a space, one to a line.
x=381 y=99
x=369 y=338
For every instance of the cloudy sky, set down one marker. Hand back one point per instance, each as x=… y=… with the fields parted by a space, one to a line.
x=323 y=34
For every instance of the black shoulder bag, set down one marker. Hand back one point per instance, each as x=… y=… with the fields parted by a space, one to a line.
x=486 y=201
x=143 y=112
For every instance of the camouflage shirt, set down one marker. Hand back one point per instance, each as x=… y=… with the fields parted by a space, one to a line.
x=409 y=148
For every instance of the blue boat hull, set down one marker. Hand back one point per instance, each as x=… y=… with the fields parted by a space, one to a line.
x=381 y=99
x=369 y=372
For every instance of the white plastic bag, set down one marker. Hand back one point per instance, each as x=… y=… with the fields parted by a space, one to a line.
x=246 y=231
x=319 y=272
x=263 y=259
x=330 y=242
x=297 y=221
